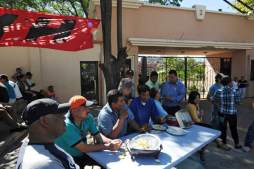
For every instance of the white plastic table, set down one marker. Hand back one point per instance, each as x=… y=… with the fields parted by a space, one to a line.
x=175 y=150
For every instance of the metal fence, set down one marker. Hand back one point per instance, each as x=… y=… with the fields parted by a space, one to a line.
x=197 y=73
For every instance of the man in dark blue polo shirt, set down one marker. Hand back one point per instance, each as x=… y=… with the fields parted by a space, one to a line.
x=144 y=108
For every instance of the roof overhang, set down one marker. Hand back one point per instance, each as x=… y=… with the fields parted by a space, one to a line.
x=189 y=44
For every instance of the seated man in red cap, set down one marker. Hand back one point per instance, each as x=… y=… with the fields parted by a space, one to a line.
x=78 y=123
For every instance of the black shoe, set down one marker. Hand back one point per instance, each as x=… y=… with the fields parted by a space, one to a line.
x=238 y=146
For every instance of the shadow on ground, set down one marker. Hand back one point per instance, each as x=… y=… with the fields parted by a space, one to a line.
x=234 y=159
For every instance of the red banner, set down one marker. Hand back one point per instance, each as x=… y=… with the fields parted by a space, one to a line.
x=43 y=30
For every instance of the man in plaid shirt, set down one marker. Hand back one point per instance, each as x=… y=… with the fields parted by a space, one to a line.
x=226 y=100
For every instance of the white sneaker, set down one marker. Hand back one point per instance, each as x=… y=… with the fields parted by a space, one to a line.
x=246 y=149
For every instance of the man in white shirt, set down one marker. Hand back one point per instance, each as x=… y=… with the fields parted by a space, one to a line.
x=45 y=118
x=16 y=89
x=29 y=82
x=235 y=83
x=19 y=103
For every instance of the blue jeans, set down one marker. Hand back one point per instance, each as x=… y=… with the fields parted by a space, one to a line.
x=250 y=135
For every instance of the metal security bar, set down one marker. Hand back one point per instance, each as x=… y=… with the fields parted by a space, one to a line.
x=197 y=73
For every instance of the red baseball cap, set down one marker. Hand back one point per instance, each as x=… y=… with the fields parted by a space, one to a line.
x=78 y=101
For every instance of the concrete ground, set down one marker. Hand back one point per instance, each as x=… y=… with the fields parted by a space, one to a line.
x=234 y=159
x=215 y=158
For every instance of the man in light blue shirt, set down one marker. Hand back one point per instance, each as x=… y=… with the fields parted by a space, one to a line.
x=216 y=86
x=155 y=95
x=212 y=90
x=172 y=92
x=115 y=116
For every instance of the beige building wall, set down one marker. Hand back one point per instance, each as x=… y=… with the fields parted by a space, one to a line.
x=51 y=67
x=214 y=64
x=239 y=64
x=62 y=69
x=13 y=57
x=160 y=22
x=212 y=67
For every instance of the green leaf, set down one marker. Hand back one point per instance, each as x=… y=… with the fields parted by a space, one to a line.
x=52 y=6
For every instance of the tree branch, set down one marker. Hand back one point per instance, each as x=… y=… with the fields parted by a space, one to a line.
x=245 y=4
x=63 y=9
x=73 y=6
x=58 y=11
x=84 y=8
